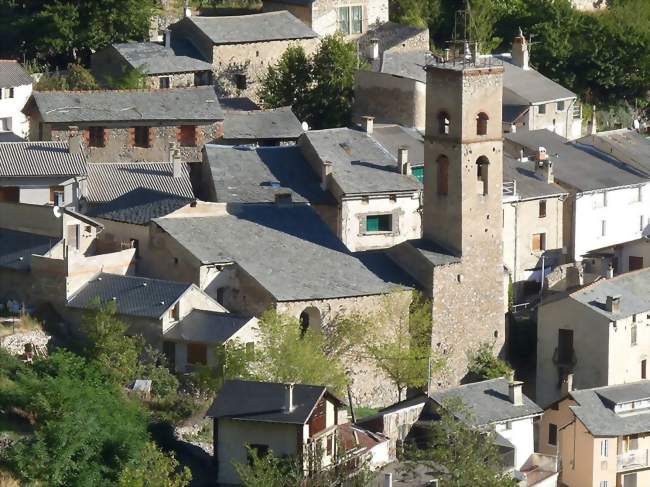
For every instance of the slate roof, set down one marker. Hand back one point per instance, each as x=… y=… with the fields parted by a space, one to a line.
x=206 y=327
x=238 y=103
x=13 y=74
x=288 y=250
x=262 y=27
x=264 y=401
x=392 y=137
x=631 y=286
x=140 y=206
x=529 y=184
x=134 y=296
x=577 y=165
x=634 y=145
x=530 y=85
x=154 y=58
x=37 y=159
x=488 y=402
x=275 y=124
x=434 y=253
x=511 y=113
x=408 y=64
x=10 y=137
x=16 y=248
x=595 y=409
x=196 y=104
x=359 y=164
x=108 y=181
x=246 y=175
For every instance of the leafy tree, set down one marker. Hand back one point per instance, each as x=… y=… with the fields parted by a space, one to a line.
x=154 y=469
x=418 y=13
x=77 y=78
x=484 y=364
x=405 y=353
x=131 y=79
x=459 y=453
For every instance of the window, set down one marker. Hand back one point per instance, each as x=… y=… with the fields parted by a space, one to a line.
x=357 y=19
x=482 y=164
x=508 y=425
x=344 y=20
x=603 y=483
x=141 y=137
x=630 y=480
x=10 y=193
x=6 y=93
x=188 y=135
x=539 y=242
x=604 y=448
x=197 y=353
x=443 y=176
x=260 y=451
x=542 y=209
x=330 y=445
x=164 y=82
x=135 y=244
x=351 y=20
x=443 y=123
x=175 y=312
x=639 y=194
x=542 y=109
x=304 y=322
x=603 y=228
x=5 y=124
x=634 y=263
x=481 y=123
x=552 y=434
x=57 y=195
x=418 y=172
x=604 y=198
x=560 y=106
x=633 y=335
x=565 y=346
x=644 y=369
x=240 y=81
x=379 y=223
x=96 y=137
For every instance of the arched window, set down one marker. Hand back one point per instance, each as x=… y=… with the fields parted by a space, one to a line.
x=482 y=123
x=443 y=123
x=443 y=175
x=482 y=164
x=310 y=319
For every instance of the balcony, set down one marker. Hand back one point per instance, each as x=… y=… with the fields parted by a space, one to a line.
x=509 y=190
x=632 y=460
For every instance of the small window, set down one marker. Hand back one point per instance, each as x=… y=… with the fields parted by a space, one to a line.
x=418 y=172
x=344 y=20
x=96 y=137
x=641 y=223
x=197 y=353
x=175 y=312
x=443 y=123
x=379 y=223
x=539 y=242
x=542 y=109
x=141 y=137
x=188 y=135
x=443 y=176
x=542 y=209
x=644 y=364
x=482 y=164
x=330 y=445
x=552 y=434
x=481 y=123
x=508 y=425
x=603 y=483
x=240 y=81
x=604 y=448
x=57 y=195
x=560 y=106
x=633 y=335
x=164 y=82
x=10 y=93
x=357 y=20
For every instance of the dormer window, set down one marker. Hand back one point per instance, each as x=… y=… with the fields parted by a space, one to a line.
x=444 y=123
x=482 y=123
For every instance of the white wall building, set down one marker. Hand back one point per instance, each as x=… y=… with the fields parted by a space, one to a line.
x=15 y=90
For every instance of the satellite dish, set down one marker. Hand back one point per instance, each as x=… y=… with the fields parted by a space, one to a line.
x=57 y=211
x=305 y=126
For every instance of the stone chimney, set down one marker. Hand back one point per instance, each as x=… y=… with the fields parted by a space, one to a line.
x=567 y=385
x=74 y=140
x=168 y=38
x=547 y=172
x=520 y=54
x=282 y=197
x=187 y=10
x=288 y=398
x=613 y=304
x=403 y=164
x=326 y=170
x=515 y=393
x=593 y=125
x=177 y=163
x=373 y=49
x=368 y=124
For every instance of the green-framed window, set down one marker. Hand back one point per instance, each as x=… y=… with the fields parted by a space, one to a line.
x=418 y=172
x=379 y=223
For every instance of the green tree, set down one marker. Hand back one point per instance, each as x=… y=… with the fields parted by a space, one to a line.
x=131 y=79
x=404 y=353
x=484 y=364
x=154 y=469
x=418 y=13
x=458 y=453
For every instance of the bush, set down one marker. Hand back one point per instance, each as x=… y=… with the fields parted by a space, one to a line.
x=483 y=364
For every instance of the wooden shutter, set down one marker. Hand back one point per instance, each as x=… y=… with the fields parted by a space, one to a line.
x=131 y=136
x=537 y=241
x=151 y=133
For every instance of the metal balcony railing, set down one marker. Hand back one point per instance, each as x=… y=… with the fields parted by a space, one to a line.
x=632 y=460
x=510 y=188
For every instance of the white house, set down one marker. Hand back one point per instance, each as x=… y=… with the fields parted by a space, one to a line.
x=15 y=90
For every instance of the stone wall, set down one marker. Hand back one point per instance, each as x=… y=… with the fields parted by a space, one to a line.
x=119 y=149
x=176 y=80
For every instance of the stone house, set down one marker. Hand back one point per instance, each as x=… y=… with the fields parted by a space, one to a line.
x=42 y=173
x=176 y=318
x=601 y=435
x=378 y=199
x=15 y=90
x=289 y=420
x=599 y=333
x=164 y=65
x=608 y=202
x=273 y=127
x=241 y=47
x=533 y=243
x=495 y=405
x=130 y=125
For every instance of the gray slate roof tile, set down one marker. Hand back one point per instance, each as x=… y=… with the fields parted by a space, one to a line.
x=111 y=180
x=12 y=74
x=196 y=104
x=408 y=64
x=206 y=327
x=635 y=145
x=302 y=258
x=154 y=58
x=392 y=137
x=134 y=296
x=34 y=159
x=264 y=401
x=529 y=184
x=17 y=248
x=275 y=124
x=262 y=27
